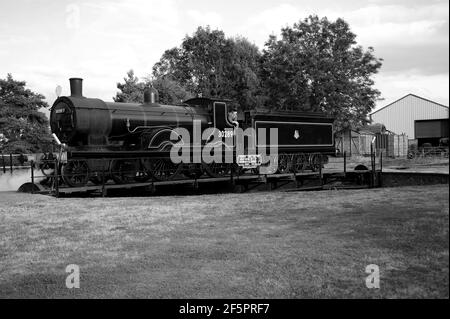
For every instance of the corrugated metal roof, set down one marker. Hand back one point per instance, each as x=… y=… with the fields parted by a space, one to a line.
x=410 y=94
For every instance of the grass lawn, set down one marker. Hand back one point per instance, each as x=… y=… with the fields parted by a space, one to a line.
x=261 y=245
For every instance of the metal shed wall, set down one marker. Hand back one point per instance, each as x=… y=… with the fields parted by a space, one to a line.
x=400 y=115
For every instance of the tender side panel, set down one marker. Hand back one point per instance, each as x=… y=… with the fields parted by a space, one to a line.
x=298 y=134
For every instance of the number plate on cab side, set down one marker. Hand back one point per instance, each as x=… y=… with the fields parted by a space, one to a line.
x=249 y=161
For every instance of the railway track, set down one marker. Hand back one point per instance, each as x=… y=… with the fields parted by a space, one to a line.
x=327 y=179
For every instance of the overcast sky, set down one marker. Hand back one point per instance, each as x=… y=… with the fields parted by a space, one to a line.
x=46 y=42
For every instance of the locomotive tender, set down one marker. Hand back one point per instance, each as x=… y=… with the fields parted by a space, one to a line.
x=131 y=142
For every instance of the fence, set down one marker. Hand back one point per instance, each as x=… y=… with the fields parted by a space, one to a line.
x=392 y=145
x=9 y=162
x=428 y=153
x=356 y=144
x=399 y=145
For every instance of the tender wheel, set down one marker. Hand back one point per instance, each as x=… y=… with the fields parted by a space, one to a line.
x=315 y=162
x=299 y=163
x=98 y=179
x=124 y=171
x=192 y=170
x=284 y=163
x=218 y=169
x=75 y=173
x=163 y=169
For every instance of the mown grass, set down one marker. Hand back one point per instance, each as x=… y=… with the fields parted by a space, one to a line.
x=262 y=245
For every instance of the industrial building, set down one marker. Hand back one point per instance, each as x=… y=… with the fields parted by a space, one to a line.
x=422 y=120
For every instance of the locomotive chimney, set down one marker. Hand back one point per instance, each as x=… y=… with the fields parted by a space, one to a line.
x=150 y=95
x=76 y=87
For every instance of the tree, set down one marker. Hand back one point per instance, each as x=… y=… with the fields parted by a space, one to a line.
x=23 y=127
x=170 y=91
x=244 y=74
x=318 y=66
x=132 y=90
x=210 y=64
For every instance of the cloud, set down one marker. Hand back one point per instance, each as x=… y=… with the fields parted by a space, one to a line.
x=421 y=59
x=374 y=24
x=39 y=43
x=204 y=18
x=408 y=37
x=394 y=86
x=411 y=37
x=394 y=24
x=270 y=21
x=108 y=39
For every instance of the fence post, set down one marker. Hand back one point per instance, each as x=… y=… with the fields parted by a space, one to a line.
x=4 y=164
x=56 y=178
x=11 y=162
x=320 y=170
x=32 y=177
x=371 y=165
x=374 y=168
x=345 y=164
x=381 y=161
x=103 y=179
x=380 y=183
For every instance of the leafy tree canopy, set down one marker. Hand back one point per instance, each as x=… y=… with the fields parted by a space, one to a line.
x=23 y=128
x=317 y=65
x=212 y=65
x=132 y=90
x=170 y=91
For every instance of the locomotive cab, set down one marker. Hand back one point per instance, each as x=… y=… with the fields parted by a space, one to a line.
x=222 y=114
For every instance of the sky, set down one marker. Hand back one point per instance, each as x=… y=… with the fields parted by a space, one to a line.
x=46 y=42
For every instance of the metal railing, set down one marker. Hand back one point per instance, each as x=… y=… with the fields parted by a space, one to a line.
x=428 y=153
x=9 y=162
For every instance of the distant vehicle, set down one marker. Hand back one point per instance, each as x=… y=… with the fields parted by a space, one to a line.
x=443 y=142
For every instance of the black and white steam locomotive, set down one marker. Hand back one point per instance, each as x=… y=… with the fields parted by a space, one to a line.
x=132 y=142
